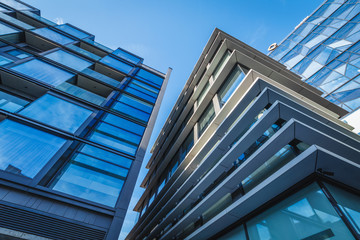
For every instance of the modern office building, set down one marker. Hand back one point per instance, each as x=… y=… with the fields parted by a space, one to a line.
x=250 y=151
x=76 y=118
x=324 y=49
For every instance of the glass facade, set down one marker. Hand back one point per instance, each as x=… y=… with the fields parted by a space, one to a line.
x=307 y=214
x=324 y=51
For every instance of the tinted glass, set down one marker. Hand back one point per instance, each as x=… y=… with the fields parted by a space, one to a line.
x=5 y=29
x=57 y=112
x=125 y=124
x=230 y=84
x=69 y=60
x=149 y=77
x=72 y=31
x=112 y=62
x=25 y=150
x=44 y=72
x=53 y=36
x=127 y=56
x=11 y=103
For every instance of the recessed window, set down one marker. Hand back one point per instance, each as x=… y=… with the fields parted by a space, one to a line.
x=205 y=119
x=25 y=150
x=11 y=103
x=221 y=64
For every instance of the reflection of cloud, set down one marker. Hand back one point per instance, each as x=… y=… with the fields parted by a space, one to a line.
x=259 y=33
x=59 y=20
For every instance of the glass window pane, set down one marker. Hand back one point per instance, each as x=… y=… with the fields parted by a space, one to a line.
x=11 y=103
x=136 y=103
x=19 y=53
x=349 y=203
x=81 y=93
x=149 y=77
x=69 y=60
x=25 y=150
x=205 y=119
x=131 y=112
x=72 y=31
x=57 y=112
x=125 y=124
x=4 y=60
x=127 y=56
x=5 y=29
x=41 y=19
x=84 y=52
x=221 y=64
x=84 y=181
x=230 y=84
x=54 y=36
x=112 y=62
x=44 y=72
x=203 y=92
x=118 y=133
x=106 y=155
x=16 y=5
x=305 y=215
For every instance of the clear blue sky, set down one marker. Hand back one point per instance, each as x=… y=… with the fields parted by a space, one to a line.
x=172 y=33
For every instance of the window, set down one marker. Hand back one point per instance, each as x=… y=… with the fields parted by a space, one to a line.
x=117 y=64
x=11 y=103
x=25 y=150
x=161 y=186
x=16 y=5
x=4 y=60
x=91 y=178
x=305 y=215
x=18 y=53
x=142 y=90
x=5 y=29
x=53 y=36
x=127 y=56
x=203 y=93
x=69 y=60
x=221 y=64
x=57 y=112
x=124 y=124
x=133 y=108
x=205 y=119
x=72 y=31
x=43 y=71
x=149 y=77
x=230 y=84
x=236 y=234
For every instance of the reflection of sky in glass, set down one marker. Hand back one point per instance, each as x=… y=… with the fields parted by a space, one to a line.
x=69 y=60
x=4 y=29
x=72 y=31
x=112 y=62
x=44 y=72
x=54 y=36
x=57 y=112
x=302 y=208
x=25 y=150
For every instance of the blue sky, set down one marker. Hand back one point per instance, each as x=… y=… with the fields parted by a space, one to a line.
x=173 y=33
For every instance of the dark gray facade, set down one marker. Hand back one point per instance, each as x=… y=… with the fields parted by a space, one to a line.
x=250 y=151
x=75 y=121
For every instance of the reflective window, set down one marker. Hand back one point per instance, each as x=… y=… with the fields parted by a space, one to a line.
x=11 y=103
x=81 y=93
x=18 y=53
x=206 y=118
x=127 y=56
x=161 y=186
x=149 y=77
x=100 y=77
x=57 y=112
x=349 y=204
x=125 y=124
x=133 y=108
x=84 y=52
x=203 y=92
x=221 y=64
x=53 y=36
x=25 y=150
x=72 y=31
x=117 y=64
x=5 y=29
x=305 y=215
x=142 y=90
x=230 y=84
x=16 y=5
x=91 y=179
x=44 y=72
x=69 y=60
x=4 y=60
x=41 y=19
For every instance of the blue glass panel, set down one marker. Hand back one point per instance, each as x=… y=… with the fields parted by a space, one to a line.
x=131 y=112
x=106 y=155
x=127 y=56
x=19 y=53
x=4 y=60
x=41 y=19
x=125 y=124
x=11 y=103
x=81 y=93
x=16 y=5
x=5 y=29
x=137 y=92
x=57 y=112
x=136 y=103
x=149 y=77
x=25 y=150
x=44 y=72
x=90 y=183
x=230 y=84
x=100 y=77
x=69 y=60
x=118 y=133
x=96 y=44
x=84 y=52
x=72 y=31
x=112 y=62
x=53 y=36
